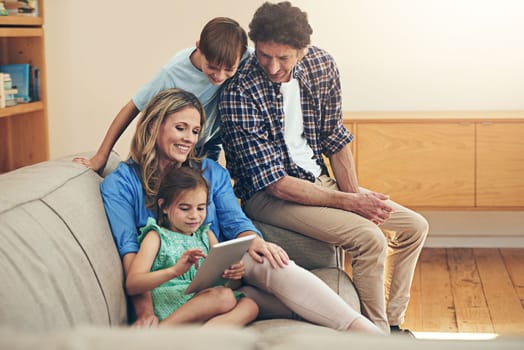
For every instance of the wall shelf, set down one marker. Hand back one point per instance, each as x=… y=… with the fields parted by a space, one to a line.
x=23 y=128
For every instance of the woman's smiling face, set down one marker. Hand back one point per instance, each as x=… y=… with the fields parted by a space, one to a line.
x=177 y=135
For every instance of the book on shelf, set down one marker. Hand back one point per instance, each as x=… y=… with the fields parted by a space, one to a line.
x=21 y=79
x=7 y=91
x=2 y=91
x=35 y=84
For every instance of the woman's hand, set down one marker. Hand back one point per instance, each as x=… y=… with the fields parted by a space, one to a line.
x=275 y=254
x=235 y=271
x=151 y=321
x=145 y=316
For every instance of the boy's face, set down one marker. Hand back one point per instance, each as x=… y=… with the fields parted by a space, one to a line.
x=217 y=73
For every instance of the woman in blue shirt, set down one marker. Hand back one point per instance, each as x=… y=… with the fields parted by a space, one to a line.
x=167 y=132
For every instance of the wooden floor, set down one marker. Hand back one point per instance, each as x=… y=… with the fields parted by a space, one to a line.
x=468 y=290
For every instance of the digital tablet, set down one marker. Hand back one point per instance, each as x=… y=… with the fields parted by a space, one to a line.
x=220 y=257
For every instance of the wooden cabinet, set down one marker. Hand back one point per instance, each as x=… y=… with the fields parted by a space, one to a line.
x=23 y=128
x=447 y=160
x=500 y=164
x=418 y=164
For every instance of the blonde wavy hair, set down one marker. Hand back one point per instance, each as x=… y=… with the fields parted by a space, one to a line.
x=143 y=145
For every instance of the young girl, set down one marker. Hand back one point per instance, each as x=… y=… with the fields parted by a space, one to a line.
x=201 y=70
x=170 y=253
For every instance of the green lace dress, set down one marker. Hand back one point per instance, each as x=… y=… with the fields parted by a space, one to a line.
x=170 y=296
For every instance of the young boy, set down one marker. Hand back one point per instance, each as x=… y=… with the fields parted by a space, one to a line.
x=200 y=70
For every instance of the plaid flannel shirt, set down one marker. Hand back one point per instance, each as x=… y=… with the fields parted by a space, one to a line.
x=252 y=116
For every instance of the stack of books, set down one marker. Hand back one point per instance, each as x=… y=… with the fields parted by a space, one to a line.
x=7 y=91
x=25 y=79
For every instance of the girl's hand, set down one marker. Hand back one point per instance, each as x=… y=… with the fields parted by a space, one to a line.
x=235 y=271
x=189 y=257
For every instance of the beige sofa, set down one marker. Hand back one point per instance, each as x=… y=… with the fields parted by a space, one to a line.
x=62 y=281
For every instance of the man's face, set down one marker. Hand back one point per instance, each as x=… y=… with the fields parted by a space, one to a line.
x=277 y=60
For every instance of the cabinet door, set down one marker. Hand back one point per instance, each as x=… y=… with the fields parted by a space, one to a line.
x=419 y=164
x=500 y=164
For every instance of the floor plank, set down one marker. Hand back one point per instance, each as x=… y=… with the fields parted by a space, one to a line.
x=504 y=304
x=471 y=310
x=438 y=312
x=413 y=318
x=514 y=261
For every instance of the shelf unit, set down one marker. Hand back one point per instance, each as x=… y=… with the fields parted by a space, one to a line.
x=23 y=128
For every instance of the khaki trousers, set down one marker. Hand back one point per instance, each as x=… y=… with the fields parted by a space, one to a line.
x=383 y=258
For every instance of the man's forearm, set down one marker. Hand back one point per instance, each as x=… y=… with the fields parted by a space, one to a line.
x=343 y=167
x=307 y=193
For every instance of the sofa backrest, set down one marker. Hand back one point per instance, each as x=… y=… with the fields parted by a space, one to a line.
x=59 y=266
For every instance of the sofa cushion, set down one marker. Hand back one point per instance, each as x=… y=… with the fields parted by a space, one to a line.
x=307 y=252
x=96 y=338
x=59 y=263
x=341 y=283
x=288 y=336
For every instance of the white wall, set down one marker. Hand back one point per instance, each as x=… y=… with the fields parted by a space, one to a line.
x=392 y=54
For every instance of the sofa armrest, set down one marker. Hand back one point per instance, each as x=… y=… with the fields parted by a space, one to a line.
x=307 y=252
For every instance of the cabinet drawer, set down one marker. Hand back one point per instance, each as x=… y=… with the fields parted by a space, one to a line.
x=500 y=164
x=428 y=164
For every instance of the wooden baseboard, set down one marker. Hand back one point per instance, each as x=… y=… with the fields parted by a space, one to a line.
x=475 y=242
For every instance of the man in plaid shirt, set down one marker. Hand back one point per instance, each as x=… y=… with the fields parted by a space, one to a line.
x=281 y=114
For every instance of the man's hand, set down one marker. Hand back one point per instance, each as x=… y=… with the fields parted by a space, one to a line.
x=373 y=206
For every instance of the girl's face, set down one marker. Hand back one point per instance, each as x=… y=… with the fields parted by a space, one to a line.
x=188 y=211
x=178 y=134
x=216 y=73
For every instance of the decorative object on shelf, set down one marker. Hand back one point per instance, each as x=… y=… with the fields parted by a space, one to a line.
x=21 y=7
x=3 y=10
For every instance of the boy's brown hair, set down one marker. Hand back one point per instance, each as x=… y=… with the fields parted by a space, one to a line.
x=223 y=41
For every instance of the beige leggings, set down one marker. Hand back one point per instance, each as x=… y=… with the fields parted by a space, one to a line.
x=291 y=291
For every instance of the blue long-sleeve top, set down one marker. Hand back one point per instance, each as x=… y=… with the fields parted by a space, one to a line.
x=125 y=205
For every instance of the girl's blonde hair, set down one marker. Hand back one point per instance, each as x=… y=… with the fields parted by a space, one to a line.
x=143 y=145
